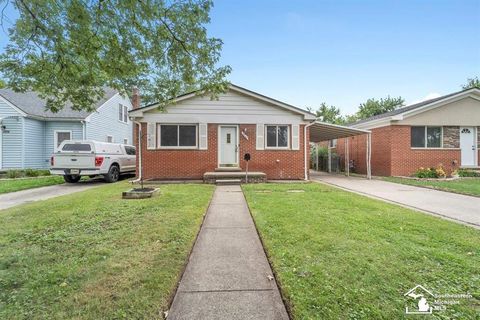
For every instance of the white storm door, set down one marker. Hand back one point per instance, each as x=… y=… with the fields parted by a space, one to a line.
x=228 y=146
x=467 y=145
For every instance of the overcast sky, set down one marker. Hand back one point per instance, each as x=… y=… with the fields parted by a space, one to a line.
x=344 y=52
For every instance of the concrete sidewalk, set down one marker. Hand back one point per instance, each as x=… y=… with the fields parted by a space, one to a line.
x=13 y=199
x=227 y=276
x=451 y=206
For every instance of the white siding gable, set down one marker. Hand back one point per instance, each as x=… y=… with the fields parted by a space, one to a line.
x=231 y=107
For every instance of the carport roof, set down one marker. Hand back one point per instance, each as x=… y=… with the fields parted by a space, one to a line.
x=322 y=131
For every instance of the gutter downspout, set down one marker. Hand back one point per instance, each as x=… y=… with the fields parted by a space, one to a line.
x=306 y=146
x=140 y=167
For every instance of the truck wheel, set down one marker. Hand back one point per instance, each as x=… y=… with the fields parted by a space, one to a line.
x=71 y=179
x=113 y=174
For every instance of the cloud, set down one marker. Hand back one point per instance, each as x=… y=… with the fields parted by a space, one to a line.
x=431 y=95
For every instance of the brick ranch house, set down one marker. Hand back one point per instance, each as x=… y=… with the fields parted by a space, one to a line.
x=443 y=131
x=195 y=135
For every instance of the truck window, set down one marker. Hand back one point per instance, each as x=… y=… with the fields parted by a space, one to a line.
x=130 y=150
x=77 y=147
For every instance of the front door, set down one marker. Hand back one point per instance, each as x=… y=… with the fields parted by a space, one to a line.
x=228 y=146
x=467 y=145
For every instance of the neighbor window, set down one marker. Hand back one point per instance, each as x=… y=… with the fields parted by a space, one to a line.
x=110 y=139
x=277 y=136
x=426 y=137
x=61 y=136
x=178 y=135
x=125 y=141
x=122 y=113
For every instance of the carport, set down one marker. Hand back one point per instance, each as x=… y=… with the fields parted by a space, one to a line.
x=322 y=131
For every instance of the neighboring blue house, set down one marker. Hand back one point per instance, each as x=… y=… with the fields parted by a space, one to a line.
x=29 y=134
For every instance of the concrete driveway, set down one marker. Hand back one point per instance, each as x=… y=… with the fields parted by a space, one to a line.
x=13 y=199
x=451 y=206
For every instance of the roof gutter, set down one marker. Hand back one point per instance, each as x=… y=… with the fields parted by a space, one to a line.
x=140 y=166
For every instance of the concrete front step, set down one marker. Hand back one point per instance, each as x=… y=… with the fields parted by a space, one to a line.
x=225 y=182
x=253 y=177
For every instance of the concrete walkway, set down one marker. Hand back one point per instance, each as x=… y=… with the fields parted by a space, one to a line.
x=228 y=275
x=13 y=199
x=451 y=206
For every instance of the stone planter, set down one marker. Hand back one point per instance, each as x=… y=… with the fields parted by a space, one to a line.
x=138 y=193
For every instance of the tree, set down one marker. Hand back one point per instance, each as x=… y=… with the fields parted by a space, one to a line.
x=472 y=83
x=2 y=84
x=70 y=50
x=373 y=107
x=330 y=114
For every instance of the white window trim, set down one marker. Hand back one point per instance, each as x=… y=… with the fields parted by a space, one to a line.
x=55 y=138
x=159 y=136
x=288 y=137
x=123 y=113
x=425 y=137
x=110 y=136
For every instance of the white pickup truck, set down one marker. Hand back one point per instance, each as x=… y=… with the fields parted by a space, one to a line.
x=76 y=158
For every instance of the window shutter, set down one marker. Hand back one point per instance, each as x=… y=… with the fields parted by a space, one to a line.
x=260 y=136
x=295 y=137
x=203 y=136
x=151 y=136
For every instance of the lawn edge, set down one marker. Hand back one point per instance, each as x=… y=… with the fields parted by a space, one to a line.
x=174 y=290
x=432 y=188
x=33 y=187
x=418 y=210
x=286 y=302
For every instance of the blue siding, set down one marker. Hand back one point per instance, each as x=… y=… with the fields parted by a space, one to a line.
x=50 y=126
x=35 y=144
x=106 y=122
x=11 y=139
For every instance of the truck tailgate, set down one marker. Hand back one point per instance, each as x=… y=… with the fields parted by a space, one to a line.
x=73 y=161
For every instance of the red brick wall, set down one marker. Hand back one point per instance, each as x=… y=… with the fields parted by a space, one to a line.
x=192 y=164
x=405 y=160
x=392 y=154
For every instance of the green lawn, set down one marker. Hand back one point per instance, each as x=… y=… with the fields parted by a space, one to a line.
x=12 y=185
x=92 y=255
x=464 y=186
x=339 y=255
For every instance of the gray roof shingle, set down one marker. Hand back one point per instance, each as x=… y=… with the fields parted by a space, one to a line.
x=30 y=103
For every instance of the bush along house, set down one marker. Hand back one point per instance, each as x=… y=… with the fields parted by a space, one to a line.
x=442 y=132
x=195 y=137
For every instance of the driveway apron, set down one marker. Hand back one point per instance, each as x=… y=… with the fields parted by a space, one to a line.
x=228 y=275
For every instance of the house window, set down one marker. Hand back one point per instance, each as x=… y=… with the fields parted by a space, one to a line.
x=426 y=137
x=110 y=139
x=60 y=136
x=333 y=143
x=125 y=141
x=122 y=113
x=178 y=136
x=277 y=136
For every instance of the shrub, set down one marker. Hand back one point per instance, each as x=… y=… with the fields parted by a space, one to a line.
x=31 y=173
x=426 y=173
x=467 y=173
x=13 y=174
x=43 y=172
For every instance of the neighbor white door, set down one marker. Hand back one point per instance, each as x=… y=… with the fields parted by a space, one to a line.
x=228 y=146
x=467 y=145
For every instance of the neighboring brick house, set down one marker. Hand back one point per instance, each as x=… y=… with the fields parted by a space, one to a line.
x=443 y=131
x=194 y=135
